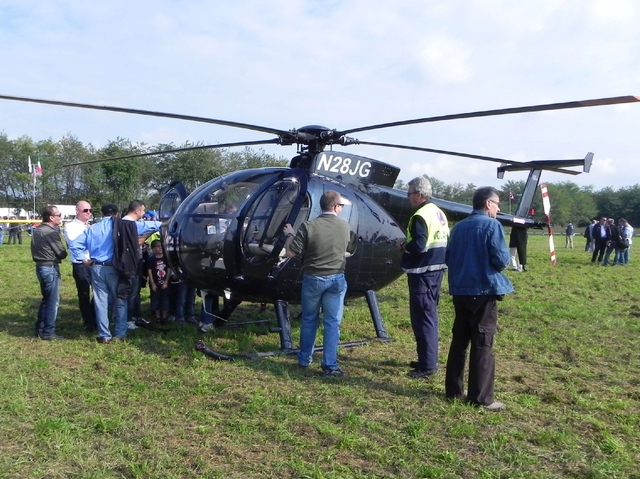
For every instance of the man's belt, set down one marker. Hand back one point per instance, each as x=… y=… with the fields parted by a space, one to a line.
x=102 y=263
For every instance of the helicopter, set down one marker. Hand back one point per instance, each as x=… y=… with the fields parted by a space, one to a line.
x=226 y=236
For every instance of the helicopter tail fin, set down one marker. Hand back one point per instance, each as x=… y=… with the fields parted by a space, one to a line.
x=526 y=199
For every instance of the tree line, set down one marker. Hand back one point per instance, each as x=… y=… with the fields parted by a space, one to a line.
x=569 y=202
x=145 y=178
x=117 y=181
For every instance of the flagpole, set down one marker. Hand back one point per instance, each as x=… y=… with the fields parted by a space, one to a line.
x=33 y=213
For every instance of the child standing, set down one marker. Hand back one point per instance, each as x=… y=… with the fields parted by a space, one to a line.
x=159 y=275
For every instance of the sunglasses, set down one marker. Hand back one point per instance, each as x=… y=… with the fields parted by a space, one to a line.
x=58 y=215
x=87 y=210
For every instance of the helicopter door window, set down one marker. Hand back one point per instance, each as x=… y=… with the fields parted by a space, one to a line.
x=267 y=218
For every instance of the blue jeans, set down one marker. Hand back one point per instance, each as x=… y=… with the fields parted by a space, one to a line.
x=610 y=249
x=327 y=292
x=185 y=301
x=210 y=306
x=104 y=280
x=49 y=278
x=625 y=255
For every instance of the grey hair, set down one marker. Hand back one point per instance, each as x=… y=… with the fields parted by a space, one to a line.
x=422 y=185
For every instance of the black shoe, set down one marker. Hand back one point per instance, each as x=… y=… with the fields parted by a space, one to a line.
x=414 y=365
x=333 y=373
x=141 y=322
x=103 y=340
x=51 y=337
x=421 y=373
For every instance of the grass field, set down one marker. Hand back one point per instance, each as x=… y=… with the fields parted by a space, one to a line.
x=567 y=367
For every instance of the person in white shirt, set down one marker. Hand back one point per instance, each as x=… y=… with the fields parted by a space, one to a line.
x=627 y=232
x=81 y=272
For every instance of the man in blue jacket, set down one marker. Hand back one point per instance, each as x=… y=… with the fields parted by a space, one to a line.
x=476 y=254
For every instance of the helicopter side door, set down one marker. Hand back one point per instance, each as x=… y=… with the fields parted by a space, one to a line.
x=173 y=197
x=260 y=239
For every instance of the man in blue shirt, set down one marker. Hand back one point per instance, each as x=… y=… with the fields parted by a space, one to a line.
x=476 y=254
x=98 y=241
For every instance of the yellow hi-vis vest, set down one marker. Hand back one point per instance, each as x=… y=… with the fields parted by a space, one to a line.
x=432 y=256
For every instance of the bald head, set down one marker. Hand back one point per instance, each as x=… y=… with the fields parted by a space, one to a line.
x=83 y=211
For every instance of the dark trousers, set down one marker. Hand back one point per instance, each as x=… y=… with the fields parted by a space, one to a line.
x=476 y=321
x=424 y=296
x=598 y=250
x=82 y=277
x=518 y=239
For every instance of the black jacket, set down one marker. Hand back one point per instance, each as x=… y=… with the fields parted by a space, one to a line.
x=125 y=247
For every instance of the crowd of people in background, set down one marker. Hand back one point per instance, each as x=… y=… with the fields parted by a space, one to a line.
x=609 y=243
x=12 y=230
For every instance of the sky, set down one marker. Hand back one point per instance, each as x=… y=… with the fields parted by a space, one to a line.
x=340 y=64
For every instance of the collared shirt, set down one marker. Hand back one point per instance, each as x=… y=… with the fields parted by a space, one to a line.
x=476 y=254
x=71 y=232
x=98 y=239
x=144 y=227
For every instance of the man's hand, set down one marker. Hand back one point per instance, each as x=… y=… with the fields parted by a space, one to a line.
x=288 y=230
x=400 y=244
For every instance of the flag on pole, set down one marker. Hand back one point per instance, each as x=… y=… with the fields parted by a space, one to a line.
x=511 y=196
x=38 y=170
x=29 y=163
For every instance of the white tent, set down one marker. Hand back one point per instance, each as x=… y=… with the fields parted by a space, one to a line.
x=9 y=212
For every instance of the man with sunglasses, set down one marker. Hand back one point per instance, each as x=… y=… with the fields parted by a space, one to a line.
x=81 y=271
x=47 y=252
x=423 y=261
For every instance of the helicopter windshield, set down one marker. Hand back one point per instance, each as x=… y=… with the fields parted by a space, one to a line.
x=204 y=222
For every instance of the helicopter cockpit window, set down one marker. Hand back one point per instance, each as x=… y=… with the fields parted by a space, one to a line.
x=211 y=211
x=169 y=204
x=266 y=218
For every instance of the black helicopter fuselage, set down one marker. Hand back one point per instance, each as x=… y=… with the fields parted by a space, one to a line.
x=226 y=237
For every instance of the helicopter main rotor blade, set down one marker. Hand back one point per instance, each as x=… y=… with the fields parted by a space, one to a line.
x=463 y=155
x=160 y=114
x=178 y=150
x=504 y=111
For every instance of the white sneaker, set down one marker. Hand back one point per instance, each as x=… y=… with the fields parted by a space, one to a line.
x=495 y=406
x=131 y=325
x=206 y=328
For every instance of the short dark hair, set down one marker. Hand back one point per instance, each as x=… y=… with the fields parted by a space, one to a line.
x=109 y=209
x=155 y=243
x=47 y=212
x=483 y=194
x=329 y=200
x=134 y=205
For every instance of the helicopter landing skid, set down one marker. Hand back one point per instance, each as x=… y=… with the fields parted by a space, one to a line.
x=286 y=338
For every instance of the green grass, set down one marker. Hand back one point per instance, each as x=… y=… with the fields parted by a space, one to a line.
x=567 y=367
